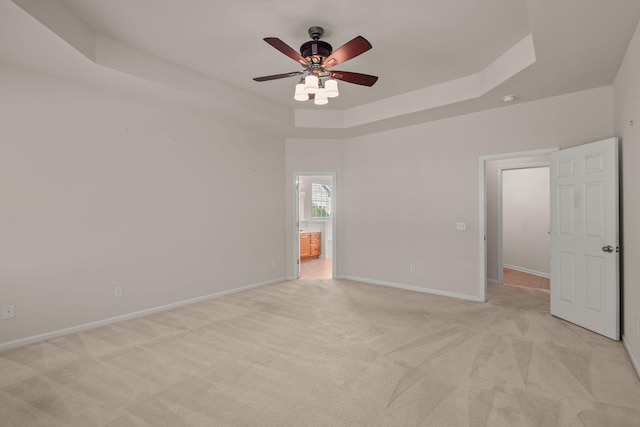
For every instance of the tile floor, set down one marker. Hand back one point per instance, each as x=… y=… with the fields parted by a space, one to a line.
x=519 y=278
x=316 y=268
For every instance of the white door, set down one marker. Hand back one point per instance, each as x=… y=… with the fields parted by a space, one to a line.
x=584 y=236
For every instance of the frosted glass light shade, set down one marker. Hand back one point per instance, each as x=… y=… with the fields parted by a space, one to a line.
x=331 y=88
x=321 y=97
x=310 y=84
x=300 y=94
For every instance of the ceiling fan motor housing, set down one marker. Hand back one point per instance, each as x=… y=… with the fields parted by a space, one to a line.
x=315 y=49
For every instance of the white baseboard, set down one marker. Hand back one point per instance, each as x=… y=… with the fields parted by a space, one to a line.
x=54 y=334
x=632 y=358
x=493 y=281
x=414 y=288
x=526 y=270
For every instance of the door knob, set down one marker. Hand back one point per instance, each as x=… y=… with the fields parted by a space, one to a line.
x=608 y=248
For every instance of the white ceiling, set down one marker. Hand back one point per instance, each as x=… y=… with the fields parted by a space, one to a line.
x=206 y=52
x=419 y=44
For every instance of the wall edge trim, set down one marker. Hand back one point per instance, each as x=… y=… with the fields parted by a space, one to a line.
x=634 y=361
x=527 y=270
x=414 y=288
x=78 y=328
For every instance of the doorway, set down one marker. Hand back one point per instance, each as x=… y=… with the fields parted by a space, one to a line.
x=584 y=244
x=314 y=225
x=491 y=256
x=523 y=218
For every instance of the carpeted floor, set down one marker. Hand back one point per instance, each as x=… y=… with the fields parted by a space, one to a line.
x=327 y=353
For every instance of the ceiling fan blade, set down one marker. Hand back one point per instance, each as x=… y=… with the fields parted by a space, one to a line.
x=287 y=50
x=356 y=78
x=277 y=76
x=349 y=50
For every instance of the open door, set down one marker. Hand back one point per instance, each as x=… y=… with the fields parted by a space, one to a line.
x=300 y=216
x=584 y=237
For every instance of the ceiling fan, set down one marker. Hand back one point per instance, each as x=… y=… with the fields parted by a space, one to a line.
x=316 y=81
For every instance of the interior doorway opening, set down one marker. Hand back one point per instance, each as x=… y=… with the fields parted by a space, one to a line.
x=523 y=242
x=584 y=242
x=315 y=225
x=491 y=227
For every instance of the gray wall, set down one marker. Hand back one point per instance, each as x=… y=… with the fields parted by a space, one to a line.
x=430 y=178
x=100 y=190
x=627 y=125
x=401 y=192
x=525 y=219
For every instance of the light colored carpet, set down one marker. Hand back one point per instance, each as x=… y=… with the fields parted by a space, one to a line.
x=327 y=353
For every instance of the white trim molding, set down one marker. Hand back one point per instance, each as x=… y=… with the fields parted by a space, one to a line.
x=475 y=298
x=527 y=270
x=634 y=361
x=54 y=334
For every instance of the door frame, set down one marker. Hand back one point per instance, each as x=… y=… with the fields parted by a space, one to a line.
x=296 y=222
x=482 y=216
x=501 y=169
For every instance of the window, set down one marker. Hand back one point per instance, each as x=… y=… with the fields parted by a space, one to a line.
x=320 y=201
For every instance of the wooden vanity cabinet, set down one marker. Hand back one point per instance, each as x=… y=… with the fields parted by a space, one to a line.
x=310 y=246
x=305 y=245
x=314 y=245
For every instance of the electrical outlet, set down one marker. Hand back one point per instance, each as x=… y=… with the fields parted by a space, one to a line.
x=118 y=292
x=412 y=268
x=461 y=226
x=8 y=311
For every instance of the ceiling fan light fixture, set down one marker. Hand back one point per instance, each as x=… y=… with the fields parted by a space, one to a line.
x=331 y=88
x=321 y=97
x=311 y=84
x=316 y=82
x=300 y=94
